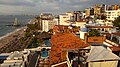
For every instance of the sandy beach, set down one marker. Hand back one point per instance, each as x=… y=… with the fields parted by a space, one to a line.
x=10 y=37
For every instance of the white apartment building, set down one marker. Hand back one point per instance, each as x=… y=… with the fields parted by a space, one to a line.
x=112 y=14
x=48 y=21
x=83 y=15
x=48 y=24
x=104 y=22
x=63 y=18
x=70 y=15
x=80 y=23
x=56 y=20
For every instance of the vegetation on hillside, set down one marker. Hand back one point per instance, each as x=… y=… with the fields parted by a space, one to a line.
x=33 y=37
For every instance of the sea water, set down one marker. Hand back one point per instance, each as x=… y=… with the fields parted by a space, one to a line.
x=9 y=19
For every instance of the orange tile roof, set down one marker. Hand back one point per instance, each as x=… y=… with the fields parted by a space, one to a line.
x=62 y=41
x=58 y=28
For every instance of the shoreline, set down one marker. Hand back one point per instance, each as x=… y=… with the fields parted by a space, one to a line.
x=8 y=34
x=7 y=39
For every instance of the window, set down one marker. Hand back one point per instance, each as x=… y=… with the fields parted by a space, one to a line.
x=109 y=12
x=102 y=29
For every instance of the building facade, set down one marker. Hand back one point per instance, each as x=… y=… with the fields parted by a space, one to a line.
x=97 y=9
x=48 y=24
x=112 y=14
x=63 y=19
x=47 y=21
x=89 y=12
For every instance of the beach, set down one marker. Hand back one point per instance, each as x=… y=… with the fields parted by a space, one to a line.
x=11 y=39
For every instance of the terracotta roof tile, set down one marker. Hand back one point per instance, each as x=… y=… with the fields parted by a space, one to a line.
x=62 y=41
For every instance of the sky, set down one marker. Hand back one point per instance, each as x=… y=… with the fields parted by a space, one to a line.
x=31 y=7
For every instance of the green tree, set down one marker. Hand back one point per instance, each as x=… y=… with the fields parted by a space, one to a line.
x=93 y=32
x=116 y=22
x=33 y=26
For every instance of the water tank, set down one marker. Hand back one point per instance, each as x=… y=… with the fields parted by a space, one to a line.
x=84 y=29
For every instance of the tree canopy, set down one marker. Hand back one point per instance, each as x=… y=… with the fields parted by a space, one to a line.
x=93 y=32
x=116 y=22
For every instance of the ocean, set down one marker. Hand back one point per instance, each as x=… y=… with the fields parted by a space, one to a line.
x=9 y=19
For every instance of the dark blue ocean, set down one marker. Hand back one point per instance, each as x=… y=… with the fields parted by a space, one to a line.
x=9 y=19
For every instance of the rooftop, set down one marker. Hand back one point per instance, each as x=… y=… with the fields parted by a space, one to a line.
x=100 y=26
x=61 y=41
x=117 y=33
x=115 y=48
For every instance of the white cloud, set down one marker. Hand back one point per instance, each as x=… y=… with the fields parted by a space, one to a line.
x=85 y=0
x=17 y=2
x=55 y=6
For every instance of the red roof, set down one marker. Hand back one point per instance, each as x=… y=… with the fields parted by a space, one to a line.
x=61 y=41
x=60 y=27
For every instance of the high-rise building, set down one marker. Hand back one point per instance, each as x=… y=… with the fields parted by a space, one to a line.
x=77 y=15
x=44 y=16
x=116 y=7
x=103 y=8
x=70 y=15
x=112 y=7
x=89 y=12
x=97 y=9
x=47 y=25
x=47 y=21
x=63 y=18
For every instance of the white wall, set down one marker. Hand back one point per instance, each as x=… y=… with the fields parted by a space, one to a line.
x=45 y=25
x=82 y=35
x=56 y=21
x=81 y=24
x=63 y=19
x=112 y=14
x=103 y=64
x=48 y=24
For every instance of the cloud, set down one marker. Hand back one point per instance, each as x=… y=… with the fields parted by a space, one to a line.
x=17 y=2
x=54 y=6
